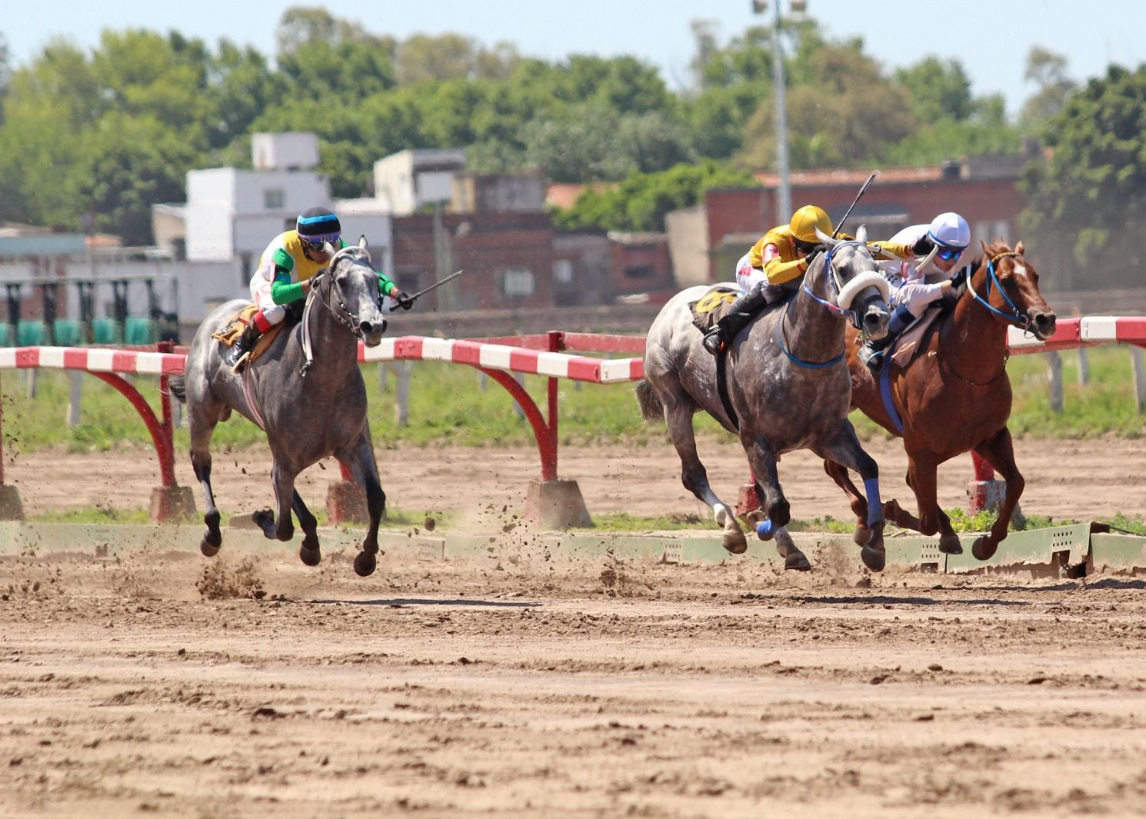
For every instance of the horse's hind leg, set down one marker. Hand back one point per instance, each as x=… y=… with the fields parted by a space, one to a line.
x=678 y=416
x=844 y=448
x=1000 y=454
x=360 y=461
x=309 y=552
x=201 y=431
x=858 y=502
x=282 y=527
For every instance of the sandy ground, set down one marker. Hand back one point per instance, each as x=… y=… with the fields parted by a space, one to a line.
x=1065 y=479
x=524 y=685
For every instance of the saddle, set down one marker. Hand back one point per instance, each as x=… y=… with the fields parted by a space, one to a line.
x=238 y=324
x=712 y=306
x=912 y=340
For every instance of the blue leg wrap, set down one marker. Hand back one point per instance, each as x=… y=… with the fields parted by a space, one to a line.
x=874 y=504
x=765 y=528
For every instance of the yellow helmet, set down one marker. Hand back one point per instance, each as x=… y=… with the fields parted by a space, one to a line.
x=806 y=220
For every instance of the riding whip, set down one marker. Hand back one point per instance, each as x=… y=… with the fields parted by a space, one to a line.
x=436 y=285
x=863 y=190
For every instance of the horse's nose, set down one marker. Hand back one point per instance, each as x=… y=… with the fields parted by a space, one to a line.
x=875 y=323
x=367 y=327
x=1045 y=324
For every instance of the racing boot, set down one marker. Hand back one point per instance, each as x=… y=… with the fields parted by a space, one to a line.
x=236 y=356
x=872 y=351
x=736 y=319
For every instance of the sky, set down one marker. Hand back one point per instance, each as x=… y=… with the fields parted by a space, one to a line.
x=990 y=37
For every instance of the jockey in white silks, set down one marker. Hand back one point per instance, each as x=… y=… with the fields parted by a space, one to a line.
x=949 y=235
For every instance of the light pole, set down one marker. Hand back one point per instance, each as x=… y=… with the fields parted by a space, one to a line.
x=784 y=188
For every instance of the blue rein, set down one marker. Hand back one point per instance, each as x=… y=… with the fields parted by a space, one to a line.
x=1019 y=318
x=852 y=315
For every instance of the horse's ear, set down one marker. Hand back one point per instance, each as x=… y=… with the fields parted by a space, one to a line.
x=1020 y=248
x=861 y=235
x=986 y=250
x=362 y=243
x=825 y=238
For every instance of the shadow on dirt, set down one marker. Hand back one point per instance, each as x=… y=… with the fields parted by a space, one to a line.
x=401 y=602
x=879 y=599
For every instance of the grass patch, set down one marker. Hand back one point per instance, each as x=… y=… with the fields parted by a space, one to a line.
x=93 y=515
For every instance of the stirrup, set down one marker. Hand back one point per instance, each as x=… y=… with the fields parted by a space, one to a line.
x=870 y=356
x=713 y=342
x=241 y=364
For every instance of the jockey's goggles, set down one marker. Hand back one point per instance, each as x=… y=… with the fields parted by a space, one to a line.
x=949 y=254
x=318 y=242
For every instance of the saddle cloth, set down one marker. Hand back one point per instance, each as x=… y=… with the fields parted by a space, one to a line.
x=239 y=322
x=712 y=306
x=910 y=341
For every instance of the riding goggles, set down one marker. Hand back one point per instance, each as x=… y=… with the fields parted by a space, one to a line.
x=949 y=254
x=318 y=242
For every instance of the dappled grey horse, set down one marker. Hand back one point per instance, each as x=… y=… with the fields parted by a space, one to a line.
x=787 y=382
x=310 y=409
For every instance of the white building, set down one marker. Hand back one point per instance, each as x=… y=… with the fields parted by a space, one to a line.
x=410 y=179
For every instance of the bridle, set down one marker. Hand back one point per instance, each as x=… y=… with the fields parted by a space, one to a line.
x=341 y=313
x=1020 y=318
x=852 y=315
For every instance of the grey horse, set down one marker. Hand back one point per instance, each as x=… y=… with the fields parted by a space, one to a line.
x=308 y=412
x=787 y=381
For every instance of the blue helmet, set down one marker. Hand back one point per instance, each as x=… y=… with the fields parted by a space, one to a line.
x=318 y=225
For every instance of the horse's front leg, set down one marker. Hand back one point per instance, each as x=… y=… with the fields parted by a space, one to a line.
x=309 y=552
x=922 y=477
x=844 y=448
x=999 y=452
x=762 y=459
x=360 y=461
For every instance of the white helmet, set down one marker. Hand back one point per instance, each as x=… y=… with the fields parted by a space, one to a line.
x=950 y=230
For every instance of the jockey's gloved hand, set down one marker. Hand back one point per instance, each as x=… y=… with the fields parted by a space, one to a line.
x=959 y=280
x=922 y=247
x=402 y=298
x=816 y=251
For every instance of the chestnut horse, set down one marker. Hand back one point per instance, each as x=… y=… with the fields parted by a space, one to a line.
x=955 y=395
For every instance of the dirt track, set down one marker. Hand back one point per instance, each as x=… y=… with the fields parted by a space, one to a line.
x=1065 y=479
x=537 y=687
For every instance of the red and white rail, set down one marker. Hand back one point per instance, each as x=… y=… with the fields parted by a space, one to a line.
x=1083 y=331
x=506 y=358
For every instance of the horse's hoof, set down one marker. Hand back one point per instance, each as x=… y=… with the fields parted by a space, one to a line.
x=862 y=535
x=209 y=549
x=874 y=559
x=265 y=520
x=797 y=562
x=984 y=549
x=950 y=545
x=734 y=542
x=311 y=557
x=365 y=563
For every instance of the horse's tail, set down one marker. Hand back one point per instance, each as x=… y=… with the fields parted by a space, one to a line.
x=177 y=385
x=651 y=407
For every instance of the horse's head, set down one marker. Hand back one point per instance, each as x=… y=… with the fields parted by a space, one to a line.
x=855 y=283
x=352 y=293
x=1008 y=284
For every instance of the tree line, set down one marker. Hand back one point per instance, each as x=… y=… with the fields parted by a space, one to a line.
x=93 y=138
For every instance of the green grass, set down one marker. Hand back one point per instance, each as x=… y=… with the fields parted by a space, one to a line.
x=449 y=407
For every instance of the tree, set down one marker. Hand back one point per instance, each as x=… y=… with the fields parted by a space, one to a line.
x=938 y=89
x=1090 y=196
x=640 y=201
x=1047 y=70
x=5 y=74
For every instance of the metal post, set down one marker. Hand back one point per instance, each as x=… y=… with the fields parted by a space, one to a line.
x=784 y=189
x=402 y=394
x=1138 y=363
x=1054 y=375
x=1083 y=367
x=75 y=397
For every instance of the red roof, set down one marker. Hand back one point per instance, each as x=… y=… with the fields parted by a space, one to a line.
x=564 y=194
x=851 y=176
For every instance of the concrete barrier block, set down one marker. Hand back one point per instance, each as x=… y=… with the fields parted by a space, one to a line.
x=556 y=505
x=172 y=503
